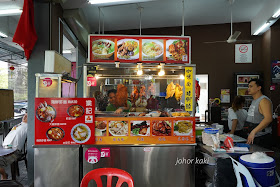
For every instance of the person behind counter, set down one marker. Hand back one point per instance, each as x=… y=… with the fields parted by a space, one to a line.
x=112 y=103
x=259 y=116
x=237 y=116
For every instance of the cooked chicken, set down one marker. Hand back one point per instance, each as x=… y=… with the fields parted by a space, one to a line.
x=170 y=90
x=178 y=92
x=121 y=96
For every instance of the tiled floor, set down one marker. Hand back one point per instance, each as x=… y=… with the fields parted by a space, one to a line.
x=22 y=178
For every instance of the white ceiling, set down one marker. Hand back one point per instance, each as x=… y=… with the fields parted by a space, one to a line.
x=155 y=13
x=167 y=13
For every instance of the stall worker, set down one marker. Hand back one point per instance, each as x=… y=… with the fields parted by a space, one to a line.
x=16 y=140
x=259 y=116
x=112 y=103
x=237 y=116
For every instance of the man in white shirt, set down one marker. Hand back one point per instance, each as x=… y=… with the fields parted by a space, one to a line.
x=15 y=139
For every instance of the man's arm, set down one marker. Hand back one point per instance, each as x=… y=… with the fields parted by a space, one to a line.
x=265 y=110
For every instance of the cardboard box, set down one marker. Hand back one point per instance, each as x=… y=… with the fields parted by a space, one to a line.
x=7 y=104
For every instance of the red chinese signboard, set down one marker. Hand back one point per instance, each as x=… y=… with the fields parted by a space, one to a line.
x=47 y=82
x=111 y=48
x=91 y=81
x=64 y=121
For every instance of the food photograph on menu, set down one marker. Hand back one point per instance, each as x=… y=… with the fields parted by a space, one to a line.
x=100 y=128
x=103 y=49
x=55 y=133
x=177 y=50
x=80 y=133
x=118 y=128
x=128 y=49
x=152 y=50
x=183 y=128
x=75 y=111
x=140 y=128
x=161 y=128
x=45 y=112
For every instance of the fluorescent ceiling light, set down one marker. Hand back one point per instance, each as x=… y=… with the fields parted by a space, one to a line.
x=67 y=51
x=3 y=35
x=263 y=27
x=10 y=11
x=95 y=2
x=276 y=14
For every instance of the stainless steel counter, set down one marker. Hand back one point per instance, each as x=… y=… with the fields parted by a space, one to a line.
x=253 y=148
x=151 y=167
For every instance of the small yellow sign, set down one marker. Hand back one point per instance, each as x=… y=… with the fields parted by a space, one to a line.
x=189 y=88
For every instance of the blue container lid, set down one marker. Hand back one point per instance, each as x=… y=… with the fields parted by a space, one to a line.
x=211 y=130
x=267 y=162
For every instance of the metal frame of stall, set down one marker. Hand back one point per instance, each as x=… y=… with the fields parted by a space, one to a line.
x=150 y=165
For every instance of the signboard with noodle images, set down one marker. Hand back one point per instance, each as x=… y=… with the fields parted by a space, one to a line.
x=189 y=88
x=111 y=48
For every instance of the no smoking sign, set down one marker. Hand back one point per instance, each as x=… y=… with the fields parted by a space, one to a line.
x=243 y=53
x=243 y=49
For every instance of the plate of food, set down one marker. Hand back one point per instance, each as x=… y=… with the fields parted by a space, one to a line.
x=140 y=128
x=101 y=125
x=75 y=111
x=55 y=133
x=161 y=128
x=80 y=133
x=128 y=49
x=177 y=50
x=118 y=128
x=183 y=128
x=152 y=49
x=45 y=112
x=103 y=49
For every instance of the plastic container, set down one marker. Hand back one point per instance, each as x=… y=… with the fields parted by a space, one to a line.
x=211 y=130
x=262 y=169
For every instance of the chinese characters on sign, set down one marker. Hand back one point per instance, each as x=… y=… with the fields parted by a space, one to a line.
x=64 y=121
x=188 y=88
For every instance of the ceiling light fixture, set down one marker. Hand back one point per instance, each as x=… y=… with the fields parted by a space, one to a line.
x=10 y=11
x=3 y=35
x=67 y=51
x=262 y=28
x=96 y=2
x=162 y=72
x=182 y=77
x=140 y=71
x=276 y=14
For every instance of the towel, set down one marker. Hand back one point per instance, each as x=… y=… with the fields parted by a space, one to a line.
x=25 y=34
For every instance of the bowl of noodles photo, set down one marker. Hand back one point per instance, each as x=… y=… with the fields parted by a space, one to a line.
x=152 y=49
x=55 y=133
x=80 y=133
x=103 y=49
x=183 y=128
x=118 y=128
x=75 y=111
x=45 y=112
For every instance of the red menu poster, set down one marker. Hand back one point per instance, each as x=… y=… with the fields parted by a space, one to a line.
x=64 y=121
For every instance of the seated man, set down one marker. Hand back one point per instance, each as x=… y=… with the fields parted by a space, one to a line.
x=112 y=105
x=15 y=139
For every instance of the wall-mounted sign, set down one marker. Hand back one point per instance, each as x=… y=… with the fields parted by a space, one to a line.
x=275 y=71
x=243 y=53
x=47 y=82
x=64 y=121
x=111 y=48
x=189 y=88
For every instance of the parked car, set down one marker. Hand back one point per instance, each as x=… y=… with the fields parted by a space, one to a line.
x=20 y=107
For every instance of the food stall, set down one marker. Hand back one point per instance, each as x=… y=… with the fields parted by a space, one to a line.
x=155 y=140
